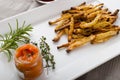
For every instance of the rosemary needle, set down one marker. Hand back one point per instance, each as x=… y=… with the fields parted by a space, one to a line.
x=10 y=40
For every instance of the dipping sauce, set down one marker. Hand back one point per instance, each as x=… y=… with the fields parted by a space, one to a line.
x=29 y=61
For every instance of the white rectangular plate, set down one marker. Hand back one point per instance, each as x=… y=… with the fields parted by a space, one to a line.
x=68 y=66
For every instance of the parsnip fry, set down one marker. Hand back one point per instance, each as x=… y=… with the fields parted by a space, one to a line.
x=65 y=45
x=102 y=24
x=65 y=16
x=93 y=15
x=102 y=37
x=59 y=34
x=84 y=7
x=62 y=25
x=99 y=5
x=115 y=13
x=84 y=3
x=90 y=24
x=71 y=29
x=80 y=43
x=85 y=23
x=93 y=10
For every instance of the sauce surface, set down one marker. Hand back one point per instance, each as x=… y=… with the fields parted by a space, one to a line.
x=27 y=53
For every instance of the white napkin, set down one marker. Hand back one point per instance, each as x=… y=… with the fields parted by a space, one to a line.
x=11 y=7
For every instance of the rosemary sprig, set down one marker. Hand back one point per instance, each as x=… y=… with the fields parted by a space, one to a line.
x=10 y=40
x=47 y=56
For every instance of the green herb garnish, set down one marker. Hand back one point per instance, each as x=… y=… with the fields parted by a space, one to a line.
x=10 y=40
x=47 y=56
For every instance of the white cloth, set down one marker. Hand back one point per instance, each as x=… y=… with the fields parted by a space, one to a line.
x=11 y=7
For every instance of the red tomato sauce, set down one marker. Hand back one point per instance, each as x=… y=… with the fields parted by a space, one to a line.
x=29 y=61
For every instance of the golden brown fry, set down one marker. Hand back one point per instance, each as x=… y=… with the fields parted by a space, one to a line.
x=64 y=16
x=99 y=5
x=69 y=43
x=66 y=31
x=90 y=24
x=59 y=34
x=76 y=25
x=79 y=43
x=61 y=26
x=78 y=15
x=105 y=10
x=71 y=29
x=102 y=37
x=93 y=15
x=112 y=19
x=82 y=8
x=109 y=18
x=115 y=13
x=86 y=23
x=66 y=44
x=70 y=11
x=77 y=31
x=110 y=28
x=102 y=24
x=77 y=36
x=84 y=3
x=63 y=22
x=93 y=10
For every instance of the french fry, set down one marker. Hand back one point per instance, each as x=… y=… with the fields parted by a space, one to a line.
x=93 y=10
x=102 y=37
x=109 y=18
x=77 y=31
x=83 y=7
x=102 y=24
x=62 y=25
x=84 y=3
x=77 y=36
x=65 y=45
x=90 y=24
x=71 y=29
x=64 y=16
x=59 y=34
x=79 y=43
x=99 y=5
x=115 y=13
x=70 y=11
x=66 y=31
x=85 y=23
x=94 y=14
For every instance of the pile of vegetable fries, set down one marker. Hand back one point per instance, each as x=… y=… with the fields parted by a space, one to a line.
x=85 y=23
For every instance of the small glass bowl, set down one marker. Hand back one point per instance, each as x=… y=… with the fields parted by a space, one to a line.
x=44 y=2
